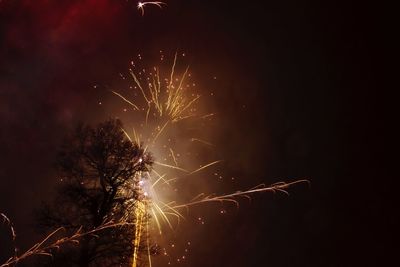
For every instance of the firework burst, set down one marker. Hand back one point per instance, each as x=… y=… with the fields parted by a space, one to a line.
x=162 y=101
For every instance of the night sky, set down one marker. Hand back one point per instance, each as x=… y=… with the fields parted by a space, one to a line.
x=296 y=94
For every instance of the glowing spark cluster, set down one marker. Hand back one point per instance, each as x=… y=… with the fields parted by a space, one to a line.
x=164 y=96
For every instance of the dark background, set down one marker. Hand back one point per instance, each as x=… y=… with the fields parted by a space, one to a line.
x=307 y=73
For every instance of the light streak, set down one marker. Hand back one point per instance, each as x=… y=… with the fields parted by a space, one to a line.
x=206 y=166
x=12 y=230
x=148 y=244
x=201 y=141
x=207 y=115
x=173 y=156
x=171 y=166
x=160 y=131
x=126 y=100
x=140 y=212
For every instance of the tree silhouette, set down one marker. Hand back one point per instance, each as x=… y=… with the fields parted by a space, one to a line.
x=99 y=171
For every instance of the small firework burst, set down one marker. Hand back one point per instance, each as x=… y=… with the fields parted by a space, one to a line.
x=142 y=5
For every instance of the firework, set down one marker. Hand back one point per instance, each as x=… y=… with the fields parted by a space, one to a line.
x=162 y=101
x=141 y=5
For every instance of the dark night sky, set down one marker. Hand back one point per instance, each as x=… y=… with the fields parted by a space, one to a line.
x=306 y=71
